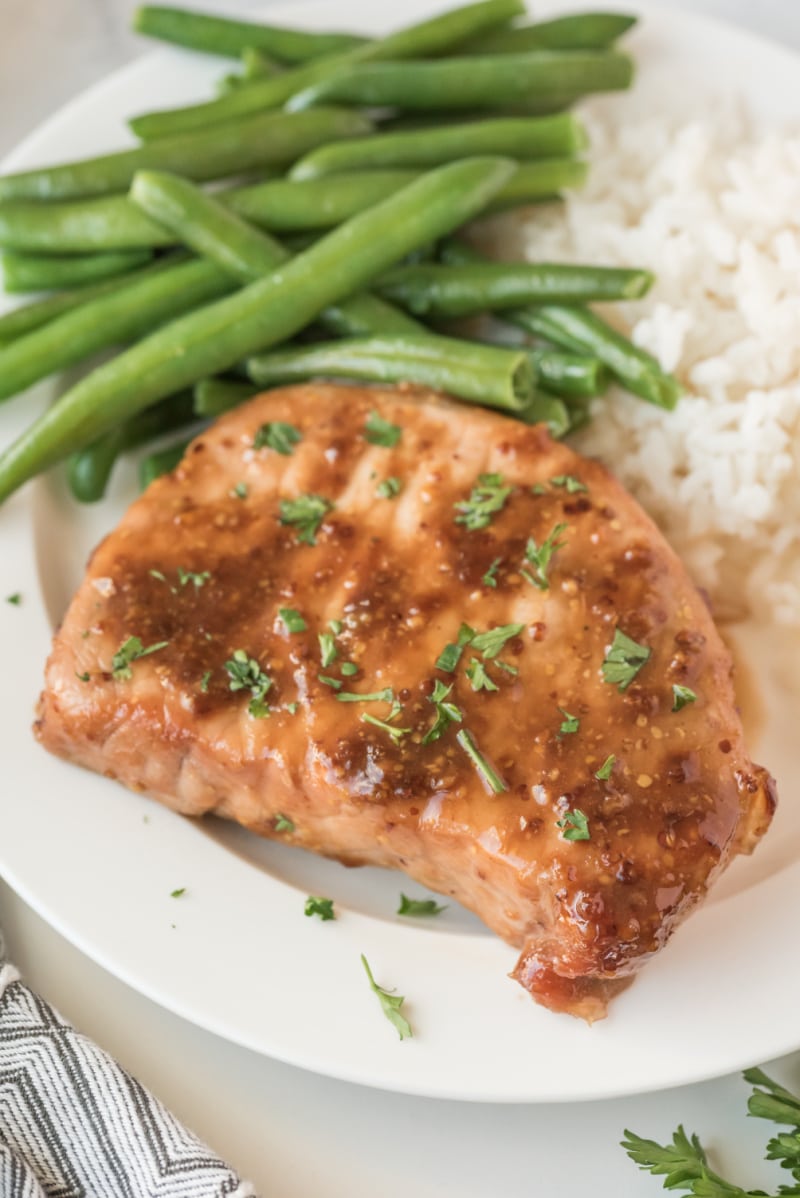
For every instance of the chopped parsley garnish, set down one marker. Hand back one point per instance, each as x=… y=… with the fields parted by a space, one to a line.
x=278 y=436
x=246 y=674
x=681 y=696
x=204 y=681
x=348 y=669
x=15 y=600
x=489 y=775
x=389 y=488
x=487 y=497
x=323 y=907
x=569 y=724
x=381 y=432
x=446 y=713
x=490 y=577
x=292 y=620
x=490 y=643
x=327 y=648
x=292 y=708
x=476 y=672
x=306 y=513
x=334 y=683
x=128 y=652
x=84 y=677
x=572 y=484
x=335 y=626
x=390 y=1004
x=450 y=656
x=198 y=580
x=157 y=574
x=384 y=696
x=283 y=823
x=419 y=907
x=540 y=555
x=395 y=732
x=239 y=491
x=574 y=826
x=604 y=773
x=624 y=660
x=178 y=893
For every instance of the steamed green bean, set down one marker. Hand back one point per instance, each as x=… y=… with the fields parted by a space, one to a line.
x=214 y=396
x=161 y=462
x=576 y=31
x=38 y=272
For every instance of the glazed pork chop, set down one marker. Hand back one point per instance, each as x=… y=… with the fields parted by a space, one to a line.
x=406 y=633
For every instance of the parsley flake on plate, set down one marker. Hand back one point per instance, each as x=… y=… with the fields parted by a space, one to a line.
x=323 y=907
x=15 y=600
x=383 y=696
x=487 y=498
x=306 y=513
x=490 y=577
x=334 y=683
x=572 y=484
x=485 y=770
x=239 y=491
x=204 y=681
x=419 y=908
x=569 y=724
x=476 y=672
x=681 y=696
x=283 y=823
x=450 y=656
x=390 y=1004
x=197 y=580
x=84 y=677
x=446 y=713
x=574 y=826
x=381 y=432
x=348 y=669
x=389 y=488
x=394 y=732
x=130 y=651
x=179 y=893
x=278 y=436
x=540 y=556
x=624 y=660
x=327 y=648
x=292 y=620
x=246 y=674
x=491 y=642
x=604 y=773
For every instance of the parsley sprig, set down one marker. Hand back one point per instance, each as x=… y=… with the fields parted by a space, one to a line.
x=574 y=825
x=416 y=908
x=488 y=496
x=624 y=660
x=323 y=907
x=684 y=1164
x=246 y=674
x=390 y=1003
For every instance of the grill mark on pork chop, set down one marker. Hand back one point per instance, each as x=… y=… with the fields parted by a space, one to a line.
x=403 y=576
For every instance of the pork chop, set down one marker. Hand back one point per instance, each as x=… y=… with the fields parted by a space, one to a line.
x=404 y=632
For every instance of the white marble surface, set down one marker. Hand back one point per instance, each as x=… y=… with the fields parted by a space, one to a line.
x=295 y=1134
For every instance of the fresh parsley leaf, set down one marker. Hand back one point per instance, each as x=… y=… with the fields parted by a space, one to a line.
x=15 y=600
x=491 y=642
x=292 y=708
x=128 y=652
x=389 y=488
x=178 y=893
x=381 y=432
x=490 y=577
x=540 y=556
x=394 y=732
x=348 y=669
x=334 y=683
x=384 y=696
x=246 y=674
x=503 y=665
x=292 y=620
x=485 y=770
x=84 y=677
x=278 y=436
x=681 y=696
x=283 y=823
x=327 y=648
x=204 y=681
x=335 y=626
x=417 y=908
x=574 y=826
x=624 y=660
x=572 y=484
x=604 y=773
x=198 y=580
x=158 y=575
x=487 y=497
x=476 y=672
x=569 y=724
x=323 y=907
x=239 y=491
x=306 y=513
x=390 y=1004
x=450 y=656
x=684 y=1166
x=446 y=713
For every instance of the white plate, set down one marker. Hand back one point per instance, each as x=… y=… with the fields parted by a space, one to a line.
x=235 y=954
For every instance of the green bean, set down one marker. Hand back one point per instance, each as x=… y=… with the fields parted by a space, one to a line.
x=569 y=375
x=501 y=81
x=246 y=253
x=264 y=313
x=113 y=222
x=38 y=272
x=577 y=31
x=433 y=290
x=485 y=374
x=518 y=137
x=434 y=36
x=219 y=35
x=549 y=410
x=151 y=298
x=162 y=462
x=90 y=469
x=212 y=397
x=271 y=139
x=255 y=65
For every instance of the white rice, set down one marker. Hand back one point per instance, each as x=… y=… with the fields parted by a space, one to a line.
x=713 y=208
